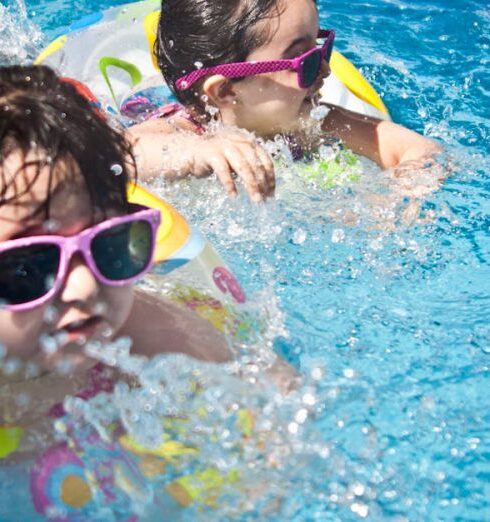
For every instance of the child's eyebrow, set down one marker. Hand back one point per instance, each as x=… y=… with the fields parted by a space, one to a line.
x=34 y=216
x=32 y=230
x=295 y=43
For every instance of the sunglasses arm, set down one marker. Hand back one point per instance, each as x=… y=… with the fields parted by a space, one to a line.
x=235 y=70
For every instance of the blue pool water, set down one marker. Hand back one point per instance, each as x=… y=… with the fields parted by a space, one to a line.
x=394 y=311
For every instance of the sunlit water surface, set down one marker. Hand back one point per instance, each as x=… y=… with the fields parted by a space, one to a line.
x=380 y=300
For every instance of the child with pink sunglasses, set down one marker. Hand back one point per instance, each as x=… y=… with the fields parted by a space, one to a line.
x=257 y=64
x=71 y=247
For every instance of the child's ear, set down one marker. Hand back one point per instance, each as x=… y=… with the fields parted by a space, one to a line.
x=219 y=90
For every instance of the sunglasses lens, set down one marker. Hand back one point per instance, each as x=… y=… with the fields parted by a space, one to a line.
x=27 y=273
x=310 y=68
x=123 y=251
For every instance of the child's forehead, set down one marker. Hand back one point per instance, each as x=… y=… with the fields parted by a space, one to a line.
x=35 y=170
x=28 y=183
x=295 y=19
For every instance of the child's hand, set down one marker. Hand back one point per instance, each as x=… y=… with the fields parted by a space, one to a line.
x=163 y=150
x=231 y=155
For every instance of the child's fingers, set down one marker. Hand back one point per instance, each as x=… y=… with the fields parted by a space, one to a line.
x=250 y=153
x=260 y=160
x=224 y=173
x=239 y=164
x=270 y=175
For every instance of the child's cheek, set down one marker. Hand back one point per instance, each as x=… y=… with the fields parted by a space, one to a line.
x=119 y=305
x=20 y=332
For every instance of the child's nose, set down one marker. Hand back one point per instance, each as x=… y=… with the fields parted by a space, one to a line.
x=325 y=69
x=80 y=283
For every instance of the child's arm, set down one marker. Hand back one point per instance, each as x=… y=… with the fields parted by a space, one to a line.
x=381 y=141
x=158 y=325
x=174 y=151
x=161 y=326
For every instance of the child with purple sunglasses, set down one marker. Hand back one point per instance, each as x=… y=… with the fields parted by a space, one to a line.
x=70 y=248
x=257 y=64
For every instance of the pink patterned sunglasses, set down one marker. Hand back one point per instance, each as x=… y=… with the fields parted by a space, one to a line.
x=117 y=251
x=307 y=66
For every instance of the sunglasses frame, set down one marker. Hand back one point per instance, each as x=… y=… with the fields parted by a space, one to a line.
x=244 y=69
x=81 y=242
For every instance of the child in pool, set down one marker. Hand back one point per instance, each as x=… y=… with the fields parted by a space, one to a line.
x=264 y=96
x=57 y=289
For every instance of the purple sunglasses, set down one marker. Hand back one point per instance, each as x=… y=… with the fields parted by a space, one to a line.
x=307 y=66
x=117 y=251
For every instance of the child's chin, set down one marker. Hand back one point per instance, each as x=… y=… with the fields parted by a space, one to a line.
x=71 y=358
x=68 y=363
x=306 y=108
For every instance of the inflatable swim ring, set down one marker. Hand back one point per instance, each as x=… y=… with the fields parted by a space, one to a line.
x=112 y=53
x=76 y=479
x=200 y=280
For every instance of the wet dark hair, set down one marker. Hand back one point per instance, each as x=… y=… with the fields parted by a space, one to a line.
x=41 y=112
x=210 y=32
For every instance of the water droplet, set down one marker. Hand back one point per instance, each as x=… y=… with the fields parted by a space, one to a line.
x=100 y=308
x=51 y=226
x=440 y=476
x=198 y=65
x=360 y=509
x=319 y=113
x=349 y=373
x=116 y=169
x=301 y=416
x=48 y=344
x=65 y=366
x=317 y=374
x=31 y=370
x=358 y=489
x=49 y=281
x=11 y=366
x=327 y=152
x=299 y=236
x=108 y=332
x=62 y=338
x=338 y=235
x=22 y=400
x=309 y=399
x=171 y=43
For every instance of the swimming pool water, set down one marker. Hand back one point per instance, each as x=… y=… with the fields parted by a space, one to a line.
x=395 y=310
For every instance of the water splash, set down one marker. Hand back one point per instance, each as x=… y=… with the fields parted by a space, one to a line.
x=20 y=39
x=258 y=444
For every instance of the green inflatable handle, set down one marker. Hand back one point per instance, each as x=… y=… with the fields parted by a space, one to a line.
x=131 y=69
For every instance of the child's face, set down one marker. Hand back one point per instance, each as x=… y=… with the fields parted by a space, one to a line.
x=272 y=103
x=83 y=308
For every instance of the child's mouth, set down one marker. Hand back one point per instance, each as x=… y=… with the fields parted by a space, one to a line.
x=82 y=328
x=312 y=98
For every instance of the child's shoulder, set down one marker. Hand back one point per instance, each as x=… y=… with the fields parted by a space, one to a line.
x=157 y=324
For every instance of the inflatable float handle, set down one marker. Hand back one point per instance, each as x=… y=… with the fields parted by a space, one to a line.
x=350 y=76
x=150 y=25
x=173 y=232
x=131 y=69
